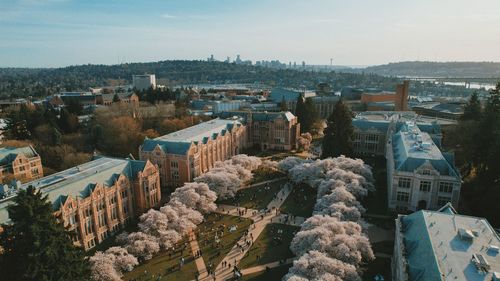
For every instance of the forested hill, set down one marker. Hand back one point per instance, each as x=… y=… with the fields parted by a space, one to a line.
x=21 y=82
x=438 y=69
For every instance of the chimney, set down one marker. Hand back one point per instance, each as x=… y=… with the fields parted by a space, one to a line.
x=402 y=96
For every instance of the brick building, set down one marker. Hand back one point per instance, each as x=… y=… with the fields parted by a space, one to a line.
x=97 y=198
x=183 y=155
x=269 y=130
x=21 y=163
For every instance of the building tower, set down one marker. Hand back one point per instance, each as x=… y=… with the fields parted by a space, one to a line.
x=401 y=103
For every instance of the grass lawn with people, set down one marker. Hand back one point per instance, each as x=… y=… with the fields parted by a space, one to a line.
x=300 y=202
x=272 y=245
x=255 y=197
x=166 y=266
x=226 y=230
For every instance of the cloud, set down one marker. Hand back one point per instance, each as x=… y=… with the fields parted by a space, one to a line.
x=168 y=16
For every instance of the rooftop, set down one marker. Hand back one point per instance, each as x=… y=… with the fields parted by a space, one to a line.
x=412 y=148
x=199 y=132
x=8 y=154
x=77 y=181
x=440 y=245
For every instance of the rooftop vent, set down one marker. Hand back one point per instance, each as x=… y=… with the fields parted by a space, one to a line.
x=481 y=263
x=466 y=234
x=494 y=249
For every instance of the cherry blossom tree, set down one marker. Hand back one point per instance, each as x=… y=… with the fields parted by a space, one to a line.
x=304 y=141
x=248 y=162
x=339 y=239
x=103 y=268
x=196 y=195
x=317 y=266
x=142 y=245
x=223 y=183
x=291 y=161
x=123 y=260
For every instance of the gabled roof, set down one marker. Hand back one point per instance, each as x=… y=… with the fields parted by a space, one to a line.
x=8 y=154
x=80 y=181
x=412 y=148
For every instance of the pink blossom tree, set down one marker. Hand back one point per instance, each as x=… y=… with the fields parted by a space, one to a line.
x=223 y=183
x=142 y=245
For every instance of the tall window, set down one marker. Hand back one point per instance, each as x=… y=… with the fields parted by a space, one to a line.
x=425 y=186
x=175 y=175
x=403 y=196
x=445 y=187
x=174 y=164
x=404 y=183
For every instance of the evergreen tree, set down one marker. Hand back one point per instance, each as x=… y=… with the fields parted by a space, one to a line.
x=339 y=132
x=116 y=98
x=56 y=136
x=36 y=245
x=472 y=111
x=283 y=106
x=310 y=115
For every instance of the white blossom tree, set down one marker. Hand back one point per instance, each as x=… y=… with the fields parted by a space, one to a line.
x=123 y=260
x=142 y=245
x=304 y=141
x=317 y=266
x=223 y=183
x=103 y=268
x=248 y=162
x=196 y=195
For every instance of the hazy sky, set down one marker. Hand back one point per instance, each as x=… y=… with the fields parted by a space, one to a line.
x=354 y=32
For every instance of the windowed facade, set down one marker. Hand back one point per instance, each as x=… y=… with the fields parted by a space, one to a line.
x=403 y=196
x=404 y=183
x=445 y=187
x=425 y=186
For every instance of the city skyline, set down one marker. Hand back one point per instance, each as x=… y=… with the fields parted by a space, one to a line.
x=54 y=33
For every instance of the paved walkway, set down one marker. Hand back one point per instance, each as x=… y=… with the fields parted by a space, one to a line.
x=261 y=220
x=263 y=267
x=200 y=263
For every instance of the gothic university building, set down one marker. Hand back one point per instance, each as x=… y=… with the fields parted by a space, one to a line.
x=183 y=155
x=97 y=198
x=20 y=163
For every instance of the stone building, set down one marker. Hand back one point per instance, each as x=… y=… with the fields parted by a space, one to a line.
x=21 y=163
x=269 y=130
x=444 y=245
x=183 y=155
x=97 y=198
x=419 y=175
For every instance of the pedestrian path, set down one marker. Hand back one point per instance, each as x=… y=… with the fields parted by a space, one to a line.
x=261 y=220
x=200 y=263
x=263 y=267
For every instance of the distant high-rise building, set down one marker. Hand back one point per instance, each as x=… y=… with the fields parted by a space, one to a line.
x=303 y=64
x=228 y=60
x=143 y=82
x=211 y=58
x=238 y=59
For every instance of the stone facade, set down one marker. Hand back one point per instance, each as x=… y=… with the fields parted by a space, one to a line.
x=97 y=198
x=22 y=163
x=183 y=155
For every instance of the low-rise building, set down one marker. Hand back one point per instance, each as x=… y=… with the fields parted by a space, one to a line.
x=444 y=245
x=183 y=155
x=269 y=130
x=20 y=163
x=372 y=129
x=419 y=175
x=144 y=82
x=97 y=198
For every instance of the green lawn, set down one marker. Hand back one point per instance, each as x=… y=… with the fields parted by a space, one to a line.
x=213 y=254
x=271 y=246
x=261 y=175
x=255 y=197
x=166 y=266
x=273 y=274
x=300 y=202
